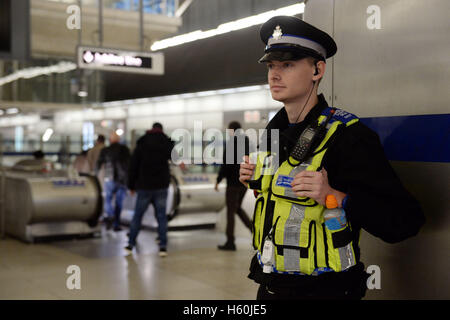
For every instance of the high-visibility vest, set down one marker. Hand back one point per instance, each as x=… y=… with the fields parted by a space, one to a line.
x=295 y=225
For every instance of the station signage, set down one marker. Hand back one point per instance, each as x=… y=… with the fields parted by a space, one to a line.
x=120 y=60
x=68 y=183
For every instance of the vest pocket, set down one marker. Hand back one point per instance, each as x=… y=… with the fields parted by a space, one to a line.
x=293 y=239
x=340 y=250
x=342 y=237
x=262 y=175
x=281 y=185
x=256 y=221
x=338 y=238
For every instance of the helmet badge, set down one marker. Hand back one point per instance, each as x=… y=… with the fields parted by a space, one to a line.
x=277 y=33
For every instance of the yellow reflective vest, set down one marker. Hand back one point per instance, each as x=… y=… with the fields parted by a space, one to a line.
x=295 y=225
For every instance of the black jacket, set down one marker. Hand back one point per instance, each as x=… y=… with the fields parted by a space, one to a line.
x=235 y=149
x=356 y=165
x=149 y=167
x=115 y=159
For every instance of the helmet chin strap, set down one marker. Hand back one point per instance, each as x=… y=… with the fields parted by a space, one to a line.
x=307 y=100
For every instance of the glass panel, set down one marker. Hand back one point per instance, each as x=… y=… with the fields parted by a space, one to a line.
x=165 y=7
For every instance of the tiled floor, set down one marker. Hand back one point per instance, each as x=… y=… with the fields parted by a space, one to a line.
x=194 y=268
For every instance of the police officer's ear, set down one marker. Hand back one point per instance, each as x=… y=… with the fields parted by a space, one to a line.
x=319 y=70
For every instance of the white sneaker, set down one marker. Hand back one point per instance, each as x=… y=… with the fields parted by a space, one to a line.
x=163 y=252
x=128 y=250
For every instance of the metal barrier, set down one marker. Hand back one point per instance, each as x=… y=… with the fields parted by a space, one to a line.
x=39 y=203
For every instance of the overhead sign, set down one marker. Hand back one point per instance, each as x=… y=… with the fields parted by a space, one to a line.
x=121 y=61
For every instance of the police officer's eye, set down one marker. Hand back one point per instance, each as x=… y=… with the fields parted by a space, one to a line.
x=287 y=64
x=269 y=66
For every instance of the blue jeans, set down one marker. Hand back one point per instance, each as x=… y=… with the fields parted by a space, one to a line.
x=158 y=198
x=119 y=191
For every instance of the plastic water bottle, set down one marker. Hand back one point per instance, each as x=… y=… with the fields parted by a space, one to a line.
x=335 y=219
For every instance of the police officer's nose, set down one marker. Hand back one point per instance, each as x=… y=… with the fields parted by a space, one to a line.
x=274 y=75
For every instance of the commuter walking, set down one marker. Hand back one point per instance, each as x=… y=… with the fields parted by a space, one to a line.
x=236 y=148
x=149 y=177
x=332 y=179
x=115 y=159
x=94 y=153
x=81 y=164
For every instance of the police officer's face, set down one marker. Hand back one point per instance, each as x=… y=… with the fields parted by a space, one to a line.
x=290 y=81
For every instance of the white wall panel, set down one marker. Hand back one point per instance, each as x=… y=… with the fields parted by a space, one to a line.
x=208 y=120
x=170 y=122
x=113 y=113
x=140 y=110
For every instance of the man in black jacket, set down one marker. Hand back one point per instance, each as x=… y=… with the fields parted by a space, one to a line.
x=149 y=175
x=236 y=148
x=115 y=159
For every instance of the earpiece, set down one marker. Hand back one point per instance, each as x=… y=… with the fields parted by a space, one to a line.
x=315 y=74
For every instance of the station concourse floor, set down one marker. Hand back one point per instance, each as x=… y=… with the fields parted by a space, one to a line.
x=194 y=268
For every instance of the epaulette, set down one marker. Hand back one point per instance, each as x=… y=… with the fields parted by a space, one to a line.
x=340 y=115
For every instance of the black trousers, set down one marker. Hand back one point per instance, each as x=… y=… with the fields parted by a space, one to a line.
x=234 y=195
x=346 y=285
x=266 y=293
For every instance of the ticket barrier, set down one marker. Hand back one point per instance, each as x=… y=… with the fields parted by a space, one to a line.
x=40 y=202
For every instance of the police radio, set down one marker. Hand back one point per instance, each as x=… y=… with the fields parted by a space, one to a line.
x=310 y=137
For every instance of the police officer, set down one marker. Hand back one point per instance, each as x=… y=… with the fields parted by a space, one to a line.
x=321 y=151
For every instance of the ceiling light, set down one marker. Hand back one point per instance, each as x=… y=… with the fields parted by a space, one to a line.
x=32 y=72
x=47 y=134
x=228 y=27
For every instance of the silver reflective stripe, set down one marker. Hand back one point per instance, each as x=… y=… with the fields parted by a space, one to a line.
x=346 y=257
x=299 y=41
x=292 y=237
x=288 y=192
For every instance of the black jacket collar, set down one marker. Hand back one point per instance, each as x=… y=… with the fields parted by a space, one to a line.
x=289 y=134
x=281 y=121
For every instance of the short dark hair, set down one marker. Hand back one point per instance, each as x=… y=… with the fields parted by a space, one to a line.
x=101 y=138
x=157 y=125
x=234 y=125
